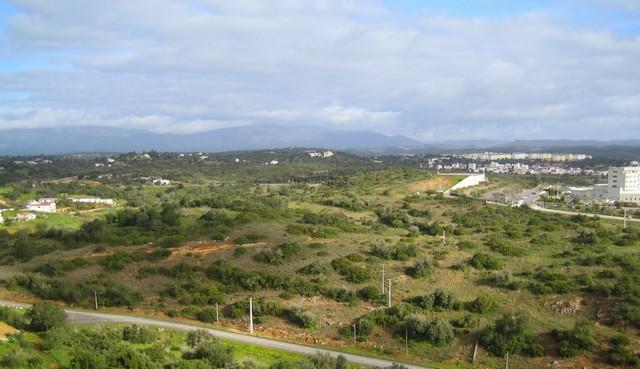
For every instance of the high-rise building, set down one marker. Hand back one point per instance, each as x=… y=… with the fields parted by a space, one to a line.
x=624 y=184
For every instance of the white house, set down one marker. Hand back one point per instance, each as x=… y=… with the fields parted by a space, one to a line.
x=42 y=205
x=161 y=182
x=93 y=200
x=25 y=217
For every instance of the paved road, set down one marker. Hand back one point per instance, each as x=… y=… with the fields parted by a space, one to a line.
x=565 y=212
x=82 y=317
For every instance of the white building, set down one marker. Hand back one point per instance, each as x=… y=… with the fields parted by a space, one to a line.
x=624 y=184
x=161 y=182
x=93 y=200
x=42 y=205
x=25 y=217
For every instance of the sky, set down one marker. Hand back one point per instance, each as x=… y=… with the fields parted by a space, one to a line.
x=431 y=70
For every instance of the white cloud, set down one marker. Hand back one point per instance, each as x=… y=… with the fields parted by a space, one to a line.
x=174 y=65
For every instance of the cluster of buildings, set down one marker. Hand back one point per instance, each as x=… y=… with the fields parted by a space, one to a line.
x=534 y=156
x=511 y=168
x=623 y=185
x=320 y=154
x=36 y=161
x=156 y=181
x=48 y=206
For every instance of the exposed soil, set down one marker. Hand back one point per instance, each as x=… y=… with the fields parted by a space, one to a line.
x=207 y=247
x=440 y=183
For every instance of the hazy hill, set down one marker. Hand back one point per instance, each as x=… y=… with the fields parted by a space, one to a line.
x=102 y=139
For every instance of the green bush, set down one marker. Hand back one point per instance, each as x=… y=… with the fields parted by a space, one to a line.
x=511 y=333
x=620 y=354
x=315 y=268
x=340 y=294
x=44 y=316
x=401 y=251
x=207 y=315
x=278 y=255
x=372 y=294
x=485 y=261
x=13 y=317
x=483 y=304
x=352 y=273
x=572 y=342
x=421 y=268
x=439 y=300
x=437 y=331
x=504 y=247
x=302 y=318
x=139 y=334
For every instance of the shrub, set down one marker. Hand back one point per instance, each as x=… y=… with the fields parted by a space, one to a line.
x=278 y=255
x=467 y=245
x=343 y=295
x=437 y=331
x=485 y=261
x=302 y=318
x=511 y=334
x=572 y=342
x=139 y=334
x=315 y=268
x=44 y=316
x=400 y=251
x=13 y=317
x=439 y=300
x=620 y=354
x=421 y=269
x=352 y=273
x=483 y=304
x=207 y=315
x=504 y=247
x=373 y=294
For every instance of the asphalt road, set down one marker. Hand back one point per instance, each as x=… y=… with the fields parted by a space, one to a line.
x=82 y=317
x=565 y=212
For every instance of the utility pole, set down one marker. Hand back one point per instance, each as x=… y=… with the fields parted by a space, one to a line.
x=95 y=299
x=444 y=237
x=625 y=219
x=355 y=338
x=217 y=313
x=406 y=340
x=250 y=315
x=389 y=295
x=507 y=361
x=382 y=277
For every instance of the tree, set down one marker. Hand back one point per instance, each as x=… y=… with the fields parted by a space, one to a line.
x=198 y=337
x=214 y=352
x=45 y=315
x=511 y=334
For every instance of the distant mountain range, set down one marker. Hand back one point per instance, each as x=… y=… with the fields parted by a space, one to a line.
x=89 y=139
x=64 y=140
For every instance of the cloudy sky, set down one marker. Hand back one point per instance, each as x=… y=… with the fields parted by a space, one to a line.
x=426 y=69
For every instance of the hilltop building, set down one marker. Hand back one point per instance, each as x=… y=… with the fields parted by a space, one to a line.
x=42 y=205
